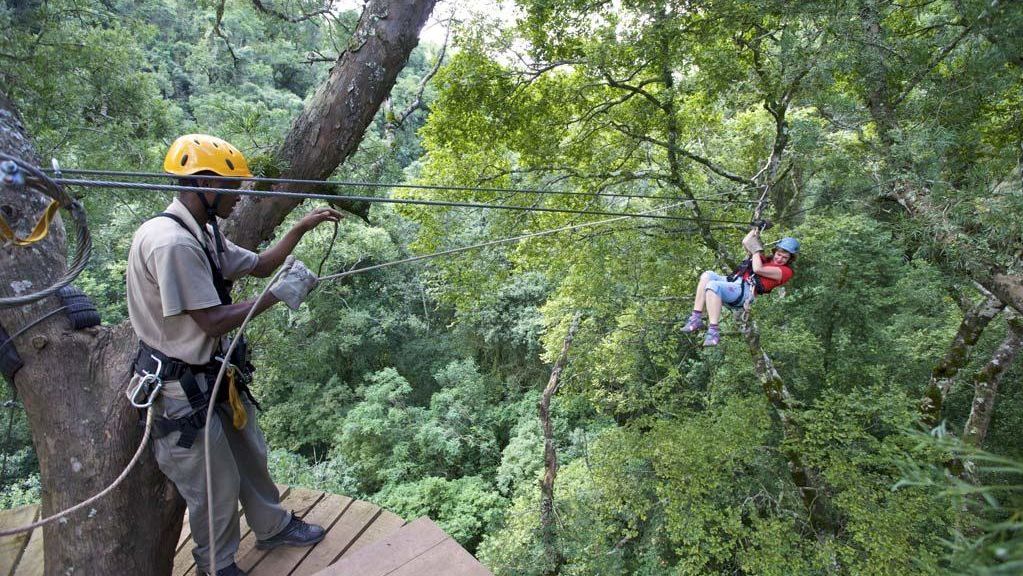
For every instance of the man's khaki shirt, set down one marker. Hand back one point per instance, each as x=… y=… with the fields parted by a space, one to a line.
x=168 y=274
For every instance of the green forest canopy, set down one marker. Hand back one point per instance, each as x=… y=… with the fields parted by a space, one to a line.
x=887 y=135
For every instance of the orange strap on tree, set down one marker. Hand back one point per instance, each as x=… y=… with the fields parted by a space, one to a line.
x=40 y=231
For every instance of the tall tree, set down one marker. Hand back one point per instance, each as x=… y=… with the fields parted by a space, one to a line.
x=72 y=382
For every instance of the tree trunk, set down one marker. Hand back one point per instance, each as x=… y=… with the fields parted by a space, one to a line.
x=554 y=557
x=332 y=124
x=809 y=486
x=943 y=375
x=84 y=433
x=985 y=383
x=72 y=382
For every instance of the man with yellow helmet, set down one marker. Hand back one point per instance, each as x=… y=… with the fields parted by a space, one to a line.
x=179 y=277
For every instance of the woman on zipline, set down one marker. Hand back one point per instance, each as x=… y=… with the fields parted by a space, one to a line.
x=753 y=277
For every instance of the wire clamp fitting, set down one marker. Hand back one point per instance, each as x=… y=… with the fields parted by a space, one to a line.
x=144 y=393
x=11 y=175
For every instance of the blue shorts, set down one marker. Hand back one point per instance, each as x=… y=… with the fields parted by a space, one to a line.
x=730 y=292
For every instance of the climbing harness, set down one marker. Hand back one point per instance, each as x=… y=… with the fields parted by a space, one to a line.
x=18 y=173
x=156 y=368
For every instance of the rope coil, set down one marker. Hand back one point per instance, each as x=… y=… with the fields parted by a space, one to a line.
x=40 y=182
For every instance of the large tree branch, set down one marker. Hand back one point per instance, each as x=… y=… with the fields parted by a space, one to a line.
x=554 y=557
x=985 y=388
x=938 y=59
x=219 y=32
x=638 y=90
x=809 y=486
x=397 y=120
x=333 y=122
x=975 y=320
x=709 y=164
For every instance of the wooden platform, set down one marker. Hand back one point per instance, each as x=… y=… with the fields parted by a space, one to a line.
x=361 y=539
x=419 y=548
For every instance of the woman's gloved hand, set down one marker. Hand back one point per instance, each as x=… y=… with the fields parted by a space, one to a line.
x=752 y=242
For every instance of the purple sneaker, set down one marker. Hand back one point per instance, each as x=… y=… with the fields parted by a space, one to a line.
x=694 y=323
x=713 y=336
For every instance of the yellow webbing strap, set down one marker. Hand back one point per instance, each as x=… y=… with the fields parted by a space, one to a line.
x=239 y=417
x=38 y=233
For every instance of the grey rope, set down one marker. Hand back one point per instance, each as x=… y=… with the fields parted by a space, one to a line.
x=101 y=494
x=491 y=243
x=209 y=416
x=83 y=241
x=26 y=327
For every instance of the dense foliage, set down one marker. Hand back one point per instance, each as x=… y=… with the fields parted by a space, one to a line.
x=417 y=386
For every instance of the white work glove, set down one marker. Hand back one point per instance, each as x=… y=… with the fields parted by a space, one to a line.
x=752 y=243
x=294 y=283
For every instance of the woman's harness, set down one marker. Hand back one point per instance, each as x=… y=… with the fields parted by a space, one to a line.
x=155 y=367
x=750 y=284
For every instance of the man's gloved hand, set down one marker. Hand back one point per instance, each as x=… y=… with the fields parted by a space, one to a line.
x=752 y=242
x=294 y=283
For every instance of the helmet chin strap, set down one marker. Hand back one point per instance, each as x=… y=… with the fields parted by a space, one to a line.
x=211 y=216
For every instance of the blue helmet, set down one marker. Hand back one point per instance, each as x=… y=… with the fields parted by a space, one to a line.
x=789 y=244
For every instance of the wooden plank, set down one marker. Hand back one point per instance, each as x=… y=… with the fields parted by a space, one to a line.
x=285 y=559
x=340 y=537
x=31 y=563
x=186 y=533
x=445 y=559
x=300 y=501
x=384 y=525
x=11 y=547
x=391 y=552
x=184 y=563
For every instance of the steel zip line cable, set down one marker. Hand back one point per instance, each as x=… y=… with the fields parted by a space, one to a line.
x=356 y=184
x=461 y=249
x=369 y=199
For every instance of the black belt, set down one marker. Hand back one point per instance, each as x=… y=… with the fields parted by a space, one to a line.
x=164 y=367
x=153 y=361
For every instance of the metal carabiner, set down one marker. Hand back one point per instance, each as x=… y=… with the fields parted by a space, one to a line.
x=148 y=394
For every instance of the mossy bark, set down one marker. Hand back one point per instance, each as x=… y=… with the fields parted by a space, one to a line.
x=944 y=373
x=986 y=381
x=553 y=557
x=811 y=488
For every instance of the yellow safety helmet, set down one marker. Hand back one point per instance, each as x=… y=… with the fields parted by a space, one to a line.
x=193 y=153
